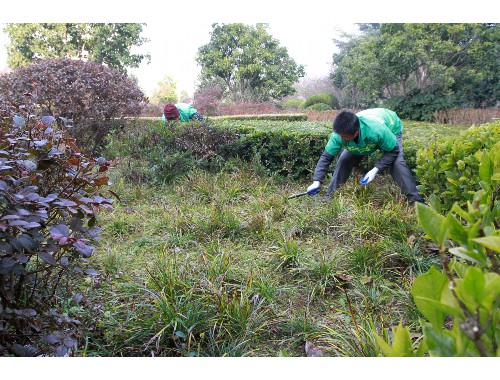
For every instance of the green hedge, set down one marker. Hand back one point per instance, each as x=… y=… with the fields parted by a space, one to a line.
x=274 y=117
x=286 y=148
x=325 y=98
x=319 y=107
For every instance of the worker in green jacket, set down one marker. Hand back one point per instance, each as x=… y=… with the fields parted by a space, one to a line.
x=357 y=135
x=182 y=111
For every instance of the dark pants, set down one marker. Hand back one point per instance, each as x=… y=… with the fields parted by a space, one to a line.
x=400 y=172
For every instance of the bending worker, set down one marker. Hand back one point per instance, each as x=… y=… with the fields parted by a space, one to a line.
x=182 y=111
x=361 y=134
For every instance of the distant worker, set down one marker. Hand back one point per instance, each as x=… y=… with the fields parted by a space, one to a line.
x=182 y=111
x=357 y=135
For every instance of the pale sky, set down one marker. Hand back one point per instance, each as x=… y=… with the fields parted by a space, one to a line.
x=176 y=30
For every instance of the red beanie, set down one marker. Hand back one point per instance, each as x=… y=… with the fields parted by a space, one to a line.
x=171 y=112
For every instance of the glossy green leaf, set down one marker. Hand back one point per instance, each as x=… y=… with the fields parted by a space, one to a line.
x=456 y=231
x=468 y=254
x=440 y=342
x=490 y=242
x=427 y=291
x=434 y=224
x=486 y=168
x=470 y=289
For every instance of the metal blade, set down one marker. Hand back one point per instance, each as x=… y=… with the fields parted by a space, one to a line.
x=297 y=195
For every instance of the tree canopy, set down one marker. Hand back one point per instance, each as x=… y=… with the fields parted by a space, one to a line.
x=248 y=63
x=426 y=66
x=165 y=91
x=108 y=44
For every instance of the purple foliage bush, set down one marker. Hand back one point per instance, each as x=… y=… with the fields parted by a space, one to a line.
x=90 y=95
x=50 y=194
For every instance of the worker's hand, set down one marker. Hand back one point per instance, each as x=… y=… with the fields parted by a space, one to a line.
x=314 y=188
x=369 y=177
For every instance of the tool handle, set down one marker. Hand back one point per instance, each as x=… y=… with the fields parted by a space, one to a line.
x=297 y=195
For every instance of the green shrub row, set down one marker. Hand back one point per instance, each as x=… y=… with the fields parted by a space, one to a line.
x=274 y=117
x=289 y=149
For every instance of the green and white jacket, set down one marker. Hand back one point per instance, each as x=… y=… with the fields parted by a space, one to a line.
x=186 y=111
x=378 y=128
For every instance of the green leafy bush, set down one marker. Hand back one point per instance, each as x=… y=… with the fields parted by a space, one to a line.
x=91 y=95
x=292 y=104
x=450 y=168
x=171 y=151
x=459 y=304
x=49 y=197
x=325 y=98
x=319 y=107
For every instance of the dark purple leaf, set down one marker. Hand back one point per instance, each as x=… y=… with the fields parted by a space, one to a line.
x=32 y=225
x=3 y=186
x=60 y=229
x=53 y=338
x=10 y=216
x=64 y=261
x=29 y=165
x=23 y=259
x=48 y=120
x=17 y=222
x=28 y=190
x=29 y=312
x=41 y=143
x=19 y=121
x=91 y=272
x=47 y=257
x=7 y=262
x=85 y=250
x=5 y=248
x=77 y=297
x=66 y=203
x=49 y=198
x=26 y=242
x=19 y=270
x=61 y=351
x=69 y=343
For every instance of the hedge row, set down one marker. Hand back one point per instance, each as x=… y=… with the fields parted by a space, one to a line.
x=274 y=117
x=289 y=149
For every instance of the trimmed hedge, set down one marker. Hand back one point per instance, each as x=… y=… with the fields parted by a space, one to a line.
x=319 y=107
x=289 y=149
x=275 y=117
x=325 y=98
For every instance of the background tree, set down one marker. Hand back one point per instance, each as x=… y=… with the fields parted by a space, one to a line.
x=165 y=92
x=109 y=44
x=248 y=63
x=419 y=68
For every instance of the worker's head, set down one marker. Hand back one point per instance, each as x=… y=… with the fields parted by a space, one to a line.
x=171 y=112
x=346 y=125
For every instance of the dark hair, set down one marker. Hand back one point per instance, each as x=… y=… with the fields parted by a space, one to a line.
x=346 y=123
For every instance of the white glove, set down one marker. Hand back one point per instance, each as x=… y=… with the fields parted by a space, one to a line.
x=369 y=177
x=314 y=188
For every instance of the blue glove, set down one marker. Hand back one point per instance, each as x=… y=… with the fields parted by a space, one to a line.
x=369 y=177
x=314 y=188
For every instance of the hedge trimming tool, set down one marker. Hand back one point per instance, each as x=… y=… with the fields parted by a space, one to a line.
x=298 y=195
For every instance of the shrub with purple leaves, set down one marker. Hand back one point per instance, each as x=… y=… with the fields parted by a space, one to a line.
x=50 y=194
x=91 y=96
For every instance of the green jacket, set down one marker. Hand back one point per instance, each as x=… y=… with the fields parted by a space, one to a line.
x=186 y=111
x=378 y=128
